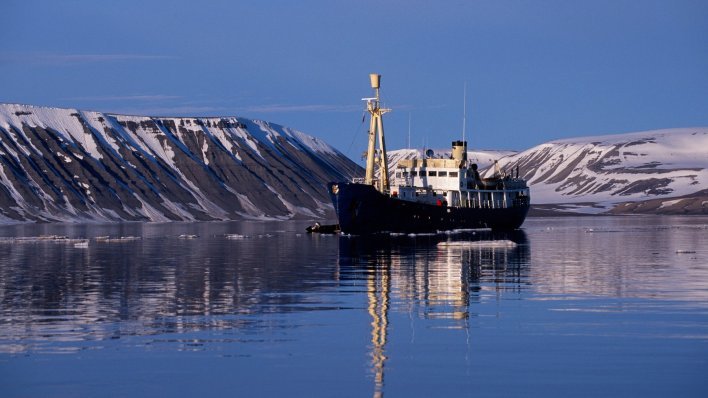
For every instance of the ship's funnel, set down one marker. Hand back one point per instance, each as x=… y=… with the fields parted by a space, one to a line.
x=375 y=80
x=459 y=150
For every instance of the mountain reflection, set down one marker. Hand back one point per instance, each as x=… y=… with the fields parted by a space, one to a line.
x=53 y=292
x=55 y=297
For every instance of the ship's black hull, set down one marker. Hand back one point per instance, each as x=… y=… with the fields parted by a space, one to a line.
x=361 y=209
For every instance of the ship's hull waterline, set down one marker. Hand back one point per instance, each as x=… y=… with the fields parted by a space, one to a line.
x=362 y=209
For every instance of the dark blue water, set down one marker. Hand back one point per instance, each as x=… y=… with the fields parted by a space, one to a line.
x=608 y=306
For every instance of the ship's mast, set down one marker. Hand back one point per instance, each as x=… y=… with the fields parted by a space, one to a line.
x=376 y=129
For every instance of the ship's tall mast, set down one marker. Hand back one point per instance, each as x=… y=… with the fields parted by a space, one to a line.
x=376 y=129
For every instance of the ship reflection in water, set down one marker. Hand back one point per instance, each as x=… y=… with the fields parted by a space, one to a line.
x=436 y=276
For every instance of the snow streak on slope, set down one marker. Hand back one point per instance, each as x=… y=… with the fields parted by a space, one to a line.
x=65 y=165
x=616 y=168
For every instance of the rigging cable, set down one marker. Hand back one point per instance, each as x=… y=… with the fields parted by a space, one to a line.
x=356 y=134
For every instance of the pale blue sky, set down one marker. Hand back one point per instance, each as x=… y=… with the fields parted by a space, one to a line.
x=535 y=70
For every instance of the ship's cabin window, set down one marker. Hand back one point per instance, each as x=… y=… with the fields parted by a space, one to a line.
x=453 y=174
x=398 y=175
x=432 y=173
x=414 y=173
x=442 y=174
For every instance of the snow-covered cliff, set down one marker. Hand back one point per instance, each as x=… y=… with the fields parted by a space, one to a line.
x=596 y=174
x=71 y=165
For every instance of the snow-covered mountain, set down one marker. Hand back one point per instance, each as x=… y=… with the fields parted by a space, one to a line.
x=71 y=165
x=660 y=171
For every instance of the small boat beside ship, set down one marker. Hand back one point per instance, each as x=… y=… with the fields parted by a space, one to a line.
x=425 y=195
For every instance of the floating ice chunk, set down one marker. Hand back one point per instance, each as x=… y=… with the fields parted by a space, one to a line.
x=422 y=234
x=83 y=244
x=459 y=231
x=236 y=236
x=108 y=239
x=44 y=239
x=479 y=243
x=48 y=237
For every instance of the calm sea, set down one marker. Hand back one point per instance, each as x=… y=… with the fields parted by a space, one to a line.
x=590 y=306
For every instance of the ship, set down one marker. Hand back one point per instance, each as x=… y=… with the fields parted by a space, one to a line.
x=425 y=195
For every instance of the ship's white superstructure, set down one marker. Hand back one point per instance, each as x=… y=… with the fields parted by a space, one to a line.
x=453 y=182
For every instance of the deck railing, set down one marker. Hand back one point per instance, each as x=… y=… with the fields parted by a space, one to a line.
x=479 y=198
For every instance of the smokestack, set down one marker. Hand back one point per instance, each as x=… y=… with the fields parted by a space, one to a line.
x=459 y=150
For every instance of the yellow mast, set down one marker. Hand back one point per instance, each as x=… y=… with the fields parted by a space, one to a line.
x=376 y=129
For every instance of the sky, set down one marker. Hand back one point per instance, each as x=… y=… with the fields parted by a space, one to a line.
x=534 y=71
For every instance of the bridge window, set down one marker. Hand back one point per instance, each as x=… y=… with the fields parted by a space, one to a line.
x=442 y=174
x=432 y=173
x=453 y=174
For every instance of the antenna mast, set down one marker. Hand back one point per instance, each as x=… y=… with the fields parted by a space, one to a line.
x=464 y=111
x=409 y=130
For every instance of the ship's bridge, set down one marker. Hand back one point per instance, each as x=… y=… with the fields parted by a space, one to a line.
x=441 y=174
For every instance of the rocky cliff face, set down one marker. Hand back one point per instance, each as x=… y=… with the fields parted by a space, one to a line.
x=71 y=165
